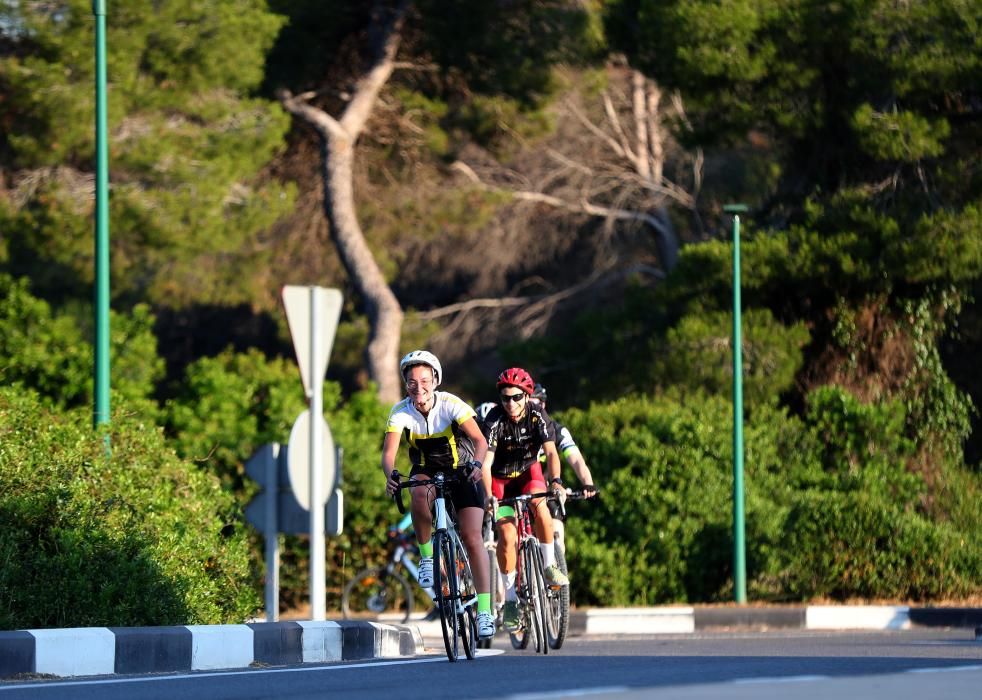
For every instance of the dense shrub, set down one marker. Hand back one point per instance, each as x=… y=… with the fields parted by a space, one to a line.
x=232 y=404
x=137 y=537
x=833 y=509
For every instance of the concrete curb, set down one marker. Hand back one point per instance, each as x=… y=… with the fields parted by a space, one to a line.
x=92 y=651
x=688 y=620
x=675 y=620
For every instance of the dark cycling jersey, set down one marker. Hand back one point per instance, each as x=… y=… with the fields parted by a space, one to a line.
x=516 y=444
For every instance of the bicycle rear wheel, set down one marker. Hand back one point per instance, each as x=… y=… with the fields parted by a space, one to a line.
x=447 y=592
x=377 y=591
x=557 y=605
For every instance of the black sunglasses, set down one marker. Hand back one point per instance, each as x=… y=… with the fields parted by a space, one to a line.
x=505 y=398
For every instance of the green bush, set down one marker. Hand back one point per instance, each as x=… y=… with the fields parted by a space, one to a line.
x=231 y=405
x=833 y=507
x=133 y=538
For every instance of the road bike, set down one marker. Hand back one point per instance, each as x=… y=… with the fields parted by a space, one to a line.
x=530 y=585
x=383 y=590
x=453 y=583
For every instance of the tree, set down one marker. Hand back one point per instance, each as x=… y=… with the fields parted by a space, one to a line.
x=187 y=142
x=472 y=45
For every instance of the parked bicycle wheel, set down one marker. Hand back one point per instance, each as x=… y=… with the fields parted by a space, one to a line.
x=377 y=591
x=557 y=605
x=447 y=592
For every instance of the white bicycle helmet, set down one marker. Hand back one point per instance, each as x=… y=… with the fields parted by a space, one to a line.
x=422 y=357
x=484 y=409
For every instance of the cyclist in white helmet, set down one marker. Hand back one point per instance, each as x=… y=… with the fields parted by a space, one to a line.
x=442 y=435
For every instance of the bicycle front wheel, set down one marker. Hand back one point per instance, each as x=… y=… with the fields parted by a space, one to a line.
x=377 y=592
x=467 y=603
x=557 y=605
x=447 y=591
x=537 y=601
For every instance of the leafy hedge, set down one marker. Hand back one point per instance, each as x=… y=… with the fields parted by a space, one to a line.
x=135 y=538
x=833 y=508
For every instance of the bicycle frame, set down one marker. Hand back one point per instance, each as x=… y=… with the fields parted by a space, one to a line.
x=454 y=590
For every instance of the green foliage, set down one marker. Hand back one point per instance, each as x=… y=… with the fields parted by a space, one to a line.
x=899 y=136
x=49 y=353
x=831 y=507
x=87 y=539
x=187 y=141
x=228 y=406
x=698 y=354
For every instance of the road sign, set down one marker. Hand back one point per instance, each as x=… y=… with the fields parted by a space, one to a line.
x=298 y=461
x=299 y=303
x=283 y=509
x=257 y=467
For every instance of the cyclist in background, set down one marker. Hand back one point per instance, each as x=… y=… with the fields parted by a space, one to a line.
x=516 y=430
x=402 y=526
x=568 y=449
x=442 y=435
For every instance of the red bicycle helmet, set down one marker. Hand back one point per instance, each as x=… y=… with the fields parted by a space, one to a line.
x=516 y=376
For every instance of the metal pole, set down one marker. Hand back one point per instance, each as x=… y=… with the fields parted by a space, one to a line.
x=272 y=533
x=100 y=413
x=739 y=544
x=318 y=593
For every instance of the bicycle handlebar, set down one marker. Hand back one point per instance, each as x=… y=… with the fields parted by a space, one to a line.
x=455 y=476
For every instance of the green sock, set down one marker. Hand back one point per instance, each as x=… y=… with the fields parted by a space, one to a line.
x=484 y=602
x=426 y=548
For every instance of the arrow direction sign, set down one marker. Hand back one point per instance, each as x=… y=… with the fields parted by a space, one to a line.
x=300 y=303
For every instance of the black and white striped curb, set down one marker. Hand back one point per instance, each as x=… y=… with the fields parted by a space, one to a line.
x=91 y=651
x=681 y=620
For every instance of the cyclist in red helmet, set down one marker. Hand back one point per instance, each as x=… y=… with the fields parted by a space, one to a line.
x=516 y=430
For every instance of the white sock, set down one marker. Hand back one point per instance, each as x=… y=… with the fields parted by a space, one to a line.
x=548 y=555
x=510 y=585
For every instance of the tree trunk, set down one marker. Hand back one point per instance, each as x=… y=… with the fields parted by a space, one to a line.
x=338 y=139
x=382 y=308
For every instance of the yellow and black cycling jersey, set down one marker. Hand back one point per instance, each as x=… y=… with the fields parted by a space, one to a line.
x=435 y=440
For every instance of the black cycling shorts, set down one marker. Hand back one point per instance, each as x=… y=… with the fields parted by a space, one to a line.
x=462 y=494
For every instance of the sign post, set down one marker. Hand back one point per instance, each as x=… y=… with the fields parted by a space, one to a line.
x=313 y=314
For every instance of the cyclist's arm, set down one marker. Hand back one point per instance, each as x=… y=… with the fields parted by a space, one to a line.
x=390 y=448
x=477 y=438
x=552 y=460
x=575 y=459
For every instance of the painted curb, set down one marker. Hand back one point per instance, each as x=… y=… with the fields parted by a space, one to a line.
x=92 y=651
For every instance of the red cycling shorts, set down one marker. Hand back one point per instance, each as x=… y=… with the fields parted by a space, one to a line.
x=529 y=481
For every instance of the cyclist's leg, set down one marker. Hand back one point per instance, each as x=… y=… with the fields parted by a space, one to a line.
x=558 y=525
x=421 y=507
x=544 y=527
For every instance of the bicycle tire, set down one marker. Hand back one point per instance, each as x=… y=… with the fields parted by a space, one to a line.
x=557 y=605
x=522 y=635
x=538 y=600
x=445 y=585
x=467 y=601
x=376 y=591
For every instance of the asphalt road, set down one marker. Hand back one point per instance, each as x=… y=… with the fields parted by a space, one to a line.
x=905 y=665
